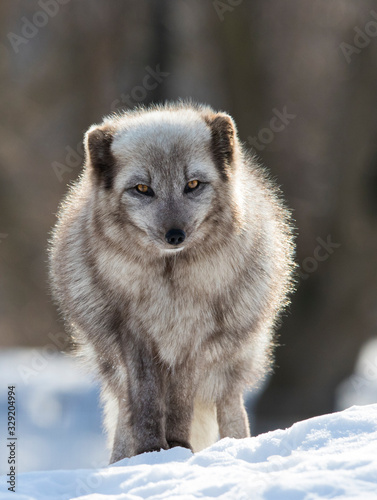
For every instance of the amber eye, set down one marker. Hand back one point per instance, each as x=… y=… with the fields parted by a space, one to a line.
x=190 y=186
x=144 y=189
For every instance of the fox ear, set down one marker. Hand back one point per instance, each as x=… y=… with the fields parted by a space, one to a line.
x=98 y=140
x=223 y=140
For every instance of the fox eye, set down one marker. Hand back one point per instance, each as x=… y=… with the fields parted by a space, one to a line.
x=144 y=189
x=191 y=185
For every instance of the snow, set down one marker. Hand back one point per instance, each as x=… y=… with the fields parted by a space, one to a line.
x=59 y=422
x=61 y=440
x=331 y=456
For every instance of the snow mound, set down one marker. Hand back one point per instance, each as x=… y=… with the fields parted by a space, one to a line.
x=331 y=456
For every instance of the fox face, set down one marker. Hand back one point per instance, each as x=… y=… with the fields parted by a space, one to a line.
x=164 y=177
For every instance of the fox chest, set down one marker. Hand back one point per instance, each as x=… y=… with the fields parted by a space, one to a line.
x=176 y=311
x=178 y=319
x=180 y=309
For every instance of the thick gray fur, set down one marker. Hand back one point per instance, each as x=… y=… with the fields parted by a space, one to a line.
x=175 y=335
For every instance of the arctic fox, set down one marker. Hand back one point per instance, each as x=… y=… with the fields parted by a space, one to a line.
x=171 y=260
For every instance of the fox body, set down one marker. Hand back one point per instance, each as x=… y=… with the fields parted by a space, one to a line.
x=171 y=261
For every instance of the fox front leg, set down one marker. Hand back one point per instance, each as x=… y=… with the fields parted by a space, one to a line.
x=142 y=411
x=232 y=416
x=180 y=407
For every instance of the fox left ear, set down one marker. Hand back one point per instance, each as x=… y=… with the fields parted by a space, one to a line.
x=223 y=141
x=98 y=140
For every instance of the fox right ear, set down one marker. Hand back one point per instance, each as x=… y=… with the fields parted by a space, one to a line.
x=223 y=141
x=98 y=140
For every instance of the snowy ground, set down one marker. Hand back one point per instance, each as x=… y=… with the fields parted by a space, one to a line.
x=59 y=431
x=58 y=415
x=332 y=456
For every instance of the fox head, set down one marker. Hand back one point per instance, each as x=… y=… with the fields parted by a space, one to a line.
x=165 y=178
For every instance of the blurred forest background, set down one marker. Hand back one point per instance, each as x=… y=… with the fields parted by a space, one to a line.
x=300 y=79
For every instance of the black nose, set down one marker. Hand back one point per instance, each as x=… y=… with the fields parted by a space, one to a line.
x=175 y=236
